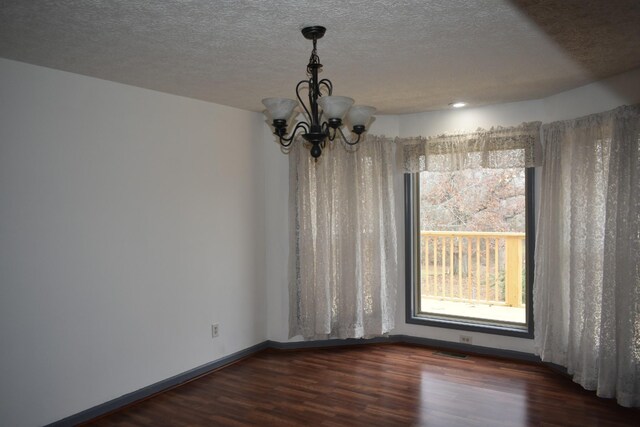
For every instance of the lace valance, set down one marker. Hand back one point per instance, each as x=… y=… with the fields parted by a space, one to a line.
x=498 y=147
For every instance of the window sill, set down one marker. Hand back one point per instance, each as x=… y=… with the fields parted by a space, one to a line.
x=474 y=325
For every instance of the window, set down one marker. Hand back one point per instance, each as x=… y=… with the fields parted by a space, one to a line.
x=469 y=249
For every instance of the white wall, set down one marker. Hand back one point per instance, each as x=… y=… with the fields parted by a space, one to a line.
x=130 y=220
x=437 y=122
x=603 y=95
x=276 y=186
x=597 y=97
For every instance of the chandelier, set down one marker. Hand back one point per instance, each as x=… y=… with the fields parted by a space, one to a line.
x=323 y=112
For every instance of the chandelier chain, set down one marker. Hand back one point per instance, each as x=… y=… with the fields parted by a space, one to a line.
x=314 y=60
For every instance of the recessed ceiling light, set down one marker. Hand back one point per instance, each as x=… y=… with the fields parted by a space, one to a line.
x=458 y=104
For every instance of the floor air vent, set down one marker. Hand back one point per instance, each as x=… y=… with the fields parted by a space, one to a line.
x=451 y=354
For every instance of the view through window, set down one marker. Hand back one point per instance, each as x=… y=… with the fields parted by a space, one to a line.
x=472 y=245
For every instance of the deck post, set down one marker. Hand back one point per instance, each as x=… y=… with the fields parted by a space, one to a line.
x=513 y=272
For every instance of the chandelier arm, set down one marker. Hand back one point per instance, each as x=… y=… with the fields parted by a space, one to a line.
x=326 y=129
x=300 y=99
x=346 y=140
x=327 y=83
x=287 y=141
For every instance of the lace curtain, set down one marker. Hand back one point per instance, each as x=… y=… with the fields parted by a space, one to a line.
x=498 y=147
x=587 y=275
x=343 y=267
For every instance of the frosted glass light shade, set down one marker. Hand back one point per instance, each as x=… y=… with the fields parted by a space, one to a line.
x=359 y=115
x=280 y=108
x=335 y=107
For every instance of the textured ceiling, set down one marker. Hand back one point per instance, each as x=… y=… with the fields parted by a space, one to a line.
x=398 y=55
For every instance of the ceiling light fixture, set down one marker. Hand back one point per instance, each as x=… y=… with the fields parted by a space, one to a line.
x=323 y=113
x=458 y=104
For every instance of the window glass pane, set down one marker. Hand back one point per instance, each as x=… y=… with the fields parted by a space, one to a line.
x=472 y=245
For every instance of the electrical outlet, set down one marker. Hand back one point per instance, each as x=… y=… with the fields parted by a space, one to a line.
x=465 y=339
x=215 y=330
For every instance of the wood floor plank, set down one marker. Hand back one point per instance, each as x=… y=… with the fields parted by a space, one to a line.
x=376 y=385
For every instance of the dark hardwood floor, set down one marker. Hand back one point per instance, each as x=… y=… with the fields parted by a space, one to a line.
x=376 y=385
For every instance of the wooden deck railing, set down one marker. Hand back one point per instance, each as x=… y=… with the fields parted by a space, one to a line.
x=473 y=266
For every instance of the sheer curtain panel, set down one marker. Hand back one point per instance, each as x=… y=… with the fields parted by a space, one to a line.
x=587 y=269
x=343 y=266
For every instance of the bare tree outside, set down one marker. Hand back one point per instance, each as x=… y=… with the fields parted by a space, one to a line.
x=473 y=200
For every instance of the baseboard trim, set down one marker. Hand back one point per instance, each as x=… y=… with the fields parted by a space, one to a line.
x=300 y=345
x=156 y=388
x=164 y=385
x=468 y=348
x=408 y=339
